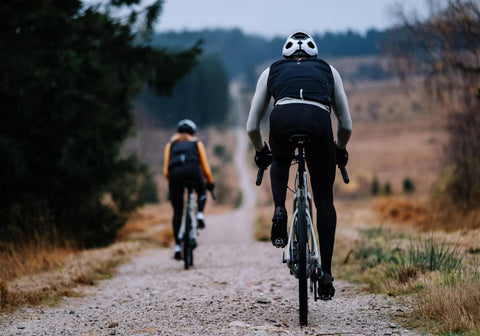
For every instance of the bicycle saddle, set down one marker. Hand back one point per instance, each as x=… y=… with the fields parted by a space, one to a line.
x=297 y=139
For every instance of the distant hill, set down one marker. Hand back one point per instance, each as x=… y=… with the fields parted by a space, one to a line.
x=241 y=54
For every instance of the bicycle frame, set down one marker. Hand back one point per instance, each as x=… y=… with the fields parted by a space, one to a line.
x=302 y=256
x=188 y=229
x=190 y=213
x=301 y=194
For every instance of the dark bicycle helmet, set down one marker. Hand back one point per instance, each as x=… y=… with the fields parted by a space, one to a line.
x=186 y=126
x=299 y=44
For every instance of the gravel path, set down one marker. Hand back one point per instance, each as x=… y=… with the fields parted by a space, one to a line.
x=237 y=287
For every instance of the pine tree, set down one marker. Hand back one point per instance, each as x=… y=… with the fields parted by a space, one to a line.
x=68 y=75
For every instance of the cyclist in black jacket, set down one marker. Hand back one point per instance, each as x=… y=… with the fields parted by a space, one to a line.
x=305 y=89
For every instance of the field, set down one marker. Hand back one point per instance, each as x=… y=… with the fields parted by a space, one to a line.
x=395 y=143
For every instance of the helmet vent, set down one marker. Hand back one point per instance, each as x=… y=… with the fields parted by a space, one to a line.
x=289 y=45
x=310 y=44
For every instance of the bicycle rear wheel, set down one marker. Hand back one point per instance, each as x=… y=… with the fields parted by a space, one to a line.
x=187 y=244
x=302 y=260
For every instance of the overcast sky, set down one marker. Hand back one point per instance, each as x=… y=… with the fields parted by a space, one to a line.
x=281 y=17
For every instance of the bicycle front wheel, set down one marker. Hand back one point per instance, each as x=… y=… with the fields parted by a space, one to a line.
x=302 y=260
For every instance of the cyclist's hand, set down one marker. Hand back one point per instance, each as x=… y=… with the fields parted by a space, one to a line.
x=263 y=158
x=341 y=156
x=210 y=186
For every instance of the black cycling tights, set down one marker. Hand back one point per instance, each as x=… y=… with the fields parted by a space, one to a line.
x=320 y=156
x=177 y=185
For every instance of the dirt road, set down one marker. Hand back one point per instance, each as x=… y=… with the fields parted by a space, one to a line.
x=237 y=287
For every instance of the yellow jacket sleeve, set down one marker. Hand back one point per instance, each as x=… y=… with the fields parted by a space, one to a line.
x=166 y=159
x=204 y=162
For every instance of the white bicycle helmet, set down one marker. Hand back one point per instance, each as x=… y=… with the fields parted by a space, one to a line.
x=299 y=44
x=186 y=126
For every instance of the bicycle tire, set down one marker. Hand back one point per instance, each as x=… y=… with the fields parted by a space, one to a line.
x=302 y=261
x=187 y=247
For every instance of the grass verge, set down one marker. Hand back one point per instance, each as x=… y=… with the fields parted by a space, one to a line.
x=83 y=268
x=442 y=278
x=43 y=270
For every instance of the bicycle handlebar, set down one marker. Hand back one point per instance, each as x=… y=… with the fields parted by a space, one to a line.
x=344 y=172
x=261 y=170
x=212 y=193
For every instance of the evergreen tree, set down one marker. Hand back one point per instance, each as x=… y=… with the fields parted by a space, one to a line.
x=68 y=74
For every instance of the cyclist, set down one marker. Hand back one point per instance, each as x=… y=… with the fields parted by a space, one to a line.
x=186 y=161
x=305 y=89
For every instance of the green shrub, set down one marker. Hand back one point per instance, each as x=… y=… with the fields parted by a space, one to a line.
x=408 y=185
x=375 y=187
x=430 y=255
x=387 y=189
x=423 y=256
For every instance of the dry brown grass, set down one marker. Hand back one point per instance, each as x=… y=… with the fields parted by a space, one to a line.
x=31 y=257
x=425 y=215
x=145 y=218
x=164 y=236
x=396 y=134
x=453 y=308
x=401 y=209
x=263 y=223
x=83 y=268
x=444 y=301
x=40 y=271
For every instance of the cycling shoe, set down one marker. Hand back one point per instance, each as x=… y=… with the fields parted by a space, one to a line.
x=177 y=255
x=325 y=287
x=279 y=234
x=201 y=220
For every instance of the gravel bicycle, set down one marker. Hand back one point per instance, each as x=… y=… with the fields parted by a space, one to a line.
x=301 y=253
x=188 y=230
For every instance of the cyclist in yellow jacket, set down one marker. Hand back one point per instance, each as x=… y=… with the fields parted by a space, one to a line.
x=186 y=161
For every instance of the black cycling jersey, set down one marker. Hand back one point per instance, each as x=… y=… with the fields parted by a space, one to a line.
x=307 y=79
x=183 y=153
